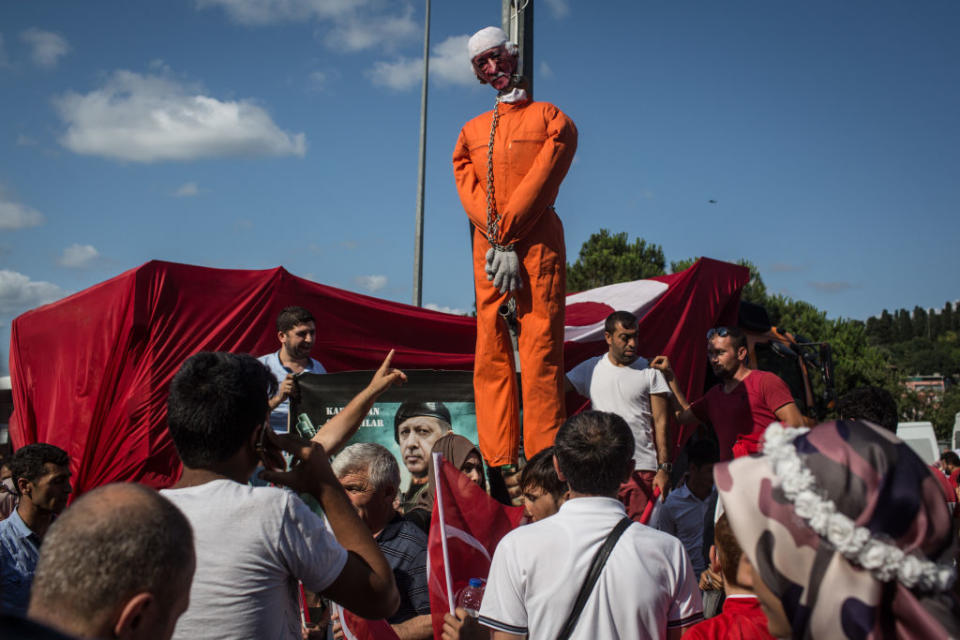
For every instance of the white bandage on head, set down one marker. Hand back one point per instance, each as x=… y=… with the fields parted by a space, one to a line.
x=489 y=38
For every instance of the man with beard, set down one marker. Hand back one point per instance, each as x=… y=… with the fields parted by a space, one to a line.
x=297 y=331
x=743 y=404
x=508 y=164
x=620 y=382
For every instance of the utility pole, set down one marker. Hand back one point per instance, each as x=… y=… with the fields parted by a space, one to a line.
x=517 y=18
x=422 y=169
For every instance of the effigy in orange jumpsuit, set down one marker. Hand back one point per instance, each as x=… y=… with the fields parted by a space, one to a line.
x=533 y=147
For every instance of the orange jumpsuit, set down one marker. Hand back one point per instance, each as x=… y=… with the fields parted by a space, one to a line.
x=533 y=147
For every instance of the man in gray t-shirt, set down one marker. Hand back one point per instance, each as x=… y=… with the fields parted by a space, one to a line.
x=254 y=544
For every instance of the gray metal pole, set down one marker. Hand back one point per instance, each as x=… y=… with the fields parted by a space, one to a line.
x=421 y=169
x=517 y=19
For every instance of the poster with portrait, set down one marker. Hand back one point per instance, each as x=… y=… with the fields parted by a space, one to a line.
x=322 y=396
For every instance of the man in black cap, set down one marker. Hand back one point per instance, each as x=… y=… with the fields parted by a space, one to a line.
x=416 y=426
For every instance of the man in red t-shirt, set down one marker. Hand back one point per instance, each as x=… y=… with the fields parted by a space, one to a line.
x=745 y=402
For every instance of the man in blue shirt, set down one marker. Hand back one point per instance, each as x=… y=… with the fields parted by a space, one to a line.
x=41 y=475
x=371 y=477
x=297 y=331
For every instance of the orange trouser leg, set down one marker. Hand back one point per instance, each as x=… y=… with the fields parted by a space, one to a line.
x=540 y=311
x=494 y=373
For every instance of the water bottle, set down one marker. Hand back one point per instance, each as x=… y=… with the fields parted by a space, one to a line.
x=470 y=597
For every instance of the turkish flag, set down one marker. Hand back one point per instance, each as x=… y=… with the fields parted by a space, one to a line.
x=674 y=312
x=465 y=528
x=356 y=628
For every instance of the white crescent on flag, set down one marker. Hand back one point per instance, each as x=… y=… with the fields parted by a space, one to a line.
x=587 y=310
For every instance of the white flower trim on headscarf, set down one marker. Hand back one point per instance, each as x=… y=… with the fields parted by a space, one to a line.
x=885 y=561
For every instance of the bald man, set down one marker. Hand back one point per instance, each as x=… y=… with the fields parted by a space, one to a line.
x=117 y=564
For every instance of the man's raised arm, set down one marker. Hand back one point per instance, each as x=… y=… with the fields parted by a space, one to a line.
x=341 y=427
x=366 y=585
x=683 y=413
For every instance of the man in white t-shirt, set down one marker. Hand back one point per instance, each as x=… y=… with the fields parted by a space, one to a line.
x=646 y=589
x=254 y=544
x=296 y=331
x=620 y=382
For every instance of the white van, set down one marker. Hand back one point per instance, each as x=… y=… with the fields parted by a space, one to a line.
x=921 y=438
x=955 y=438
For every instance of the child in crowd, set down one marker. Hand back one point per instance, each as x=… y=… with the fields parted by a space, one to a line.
x=742 y=617
x=543 y=491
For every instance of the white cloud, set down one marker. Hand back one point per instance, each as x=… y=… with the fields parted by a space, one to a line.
x=545 y=70
x=261 y=12
x=448 y=64
x=151 y=118
x=78 y=256
x=357 y=32
x=14 y=215
x=354 y=25
x=453 y=310
x=316 y=80
x=187 y=190
x=19 y=293
x=559 y=8
x=46 y=47
x=372 y=283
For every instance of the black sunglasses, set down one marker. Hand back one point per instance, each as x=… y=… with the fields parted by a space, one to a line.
x=723 y=332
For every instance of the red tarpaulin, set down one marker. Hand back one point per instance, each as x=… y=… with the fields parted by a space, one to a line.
x=90 y=372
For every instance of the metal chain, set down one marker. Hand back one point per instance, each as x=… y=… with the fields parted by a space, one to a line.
x=493 y=216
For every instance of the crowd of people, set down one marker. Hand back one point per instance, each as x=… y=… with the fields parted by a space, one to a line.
x=770 y=531
x=768 y=528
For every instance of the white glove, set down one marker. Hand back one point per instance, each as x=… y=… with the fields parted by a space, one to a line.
x=504 y=269
x=489 y=266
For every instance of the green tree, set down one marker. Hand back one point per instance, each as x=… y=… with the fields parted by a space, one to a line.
x=880 y=329
x=903 y=326
x=944 y=416
x=921 y=322
x=681 y=265
x=754 y=291
x=607 y=258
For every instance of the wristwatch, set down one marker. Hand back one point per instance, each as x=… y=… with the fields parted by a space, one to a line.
x=665 y=466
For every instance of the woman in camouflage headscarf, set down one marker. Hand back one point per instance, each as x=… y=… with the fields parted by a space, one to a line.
x=848 y=534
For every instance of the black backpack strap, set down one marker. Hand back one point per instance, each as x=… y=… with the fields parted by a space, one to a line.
x=596 y=567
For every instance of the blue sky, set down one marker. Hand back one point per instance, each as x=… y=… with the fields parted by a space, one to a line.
x=257 y=133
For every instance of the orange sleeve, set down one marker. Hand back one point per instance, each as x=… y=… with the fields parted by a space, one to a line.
x=540 y=185
x=472 y=191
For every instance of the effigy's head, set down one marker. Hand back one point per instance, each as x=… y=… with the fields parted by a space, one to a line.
x=493 y=56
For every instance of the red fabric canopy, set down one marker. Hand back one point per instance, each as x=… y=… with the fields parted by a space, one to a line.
x=674 y=319
x=90 y=372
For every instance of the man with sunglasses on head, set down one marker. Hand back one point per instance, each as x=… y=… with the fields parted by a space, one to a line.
x=508 y=165
x=743 y=404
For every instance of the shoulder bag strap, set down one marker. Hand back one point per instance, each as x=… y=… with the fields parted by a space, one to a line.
x=593 y=574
